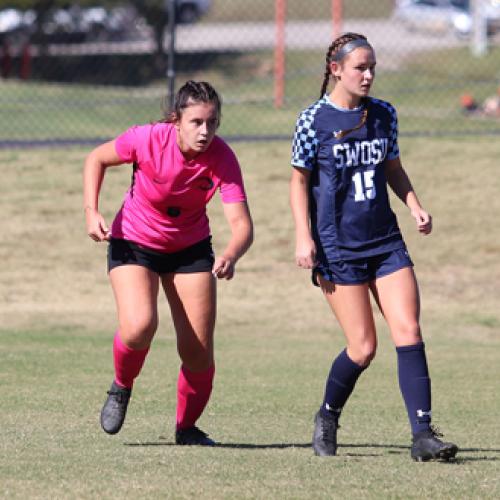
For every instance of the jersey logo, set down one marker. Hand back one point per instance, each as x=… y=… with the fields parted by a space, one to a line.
x=422 y=413
x=174 y=211
x=332 y=409
x=337 y=133
x=204 y=183
x=360 y=153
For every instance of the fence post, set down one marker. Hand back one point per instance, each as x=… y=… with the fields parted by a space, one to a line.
x=479 y=28
x=279 y=53
x=336 y=18
x=25 y=68
x=170 y=8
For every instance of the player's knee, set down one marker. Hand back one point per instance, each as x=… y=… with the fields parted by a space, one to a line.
x=197 y=359
x=408 y=333
x=363 y=353
x=137 y=332
x=197 y=364
x=367 y=355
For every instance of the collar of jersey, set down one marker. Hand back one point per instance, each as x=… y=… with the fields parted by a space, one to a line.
x=327 y=99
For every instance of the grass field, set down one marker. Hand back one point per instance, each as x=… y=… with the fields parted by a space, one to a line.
x=275 y=341
x=426 y=91
x=263 y=10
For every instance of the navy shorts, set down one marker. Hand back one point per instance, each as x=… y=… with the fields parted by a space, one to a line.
x=357 y=271
x=194 y=259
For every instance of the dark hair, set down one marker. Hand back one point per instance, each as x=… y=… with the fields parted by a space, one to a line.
x=191 y=93
x=336 y=45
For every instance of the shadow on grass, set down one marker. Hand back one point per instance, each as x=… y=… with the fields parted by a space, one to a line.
x=243 y=446
x=392 y=449
x=475 y=450
x=459 y=459
x=252 y=446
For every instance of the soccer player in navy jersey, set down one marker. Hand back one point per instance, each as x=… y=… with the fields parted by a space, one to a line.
x=345 y=152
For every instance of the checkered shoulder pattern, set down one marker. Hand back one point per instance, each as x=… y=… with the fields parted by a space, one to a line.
x=305 y=142
x=392 y=148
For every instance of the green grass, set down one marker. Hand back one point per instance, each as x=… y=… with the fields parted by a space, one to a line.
x=263 y=10
x=274 y=343
x=426 y=91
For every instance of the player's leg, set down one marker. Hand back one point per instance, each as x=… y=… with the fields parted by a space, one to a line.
x=136 y=293
x=135 y=289
x=398 y=298
x=192 y=299
x=352 y=308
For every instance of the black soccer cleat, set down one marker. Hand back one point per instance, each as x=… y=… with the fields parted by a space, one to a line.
x=115 y=408
x=324 y=441
x=427 y=446
x=192 y=436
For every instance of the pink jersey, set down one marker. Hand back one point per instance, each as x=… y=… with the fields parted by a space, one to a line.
x=165 y=207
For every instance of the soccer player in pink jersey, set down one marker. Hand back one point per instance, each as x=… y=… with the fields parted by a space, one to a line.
x=161 y=236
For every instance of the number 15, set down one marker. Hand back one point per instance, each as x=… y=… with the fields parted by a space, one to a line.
x=363 y=186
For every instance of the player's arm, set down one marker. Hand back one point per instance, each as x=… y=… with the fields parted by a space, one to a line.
x=305 y=249
x=96 y=163
x=398 y=180
x=240 y=222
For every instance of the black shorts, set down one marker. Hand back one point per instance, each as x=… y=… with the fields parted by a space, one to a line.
x=357 y=271
x=194 y=259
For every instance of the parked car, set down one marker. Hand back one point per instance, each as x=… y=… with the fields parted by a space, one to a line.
x=14 y=26
x=445 y=16
x=189 y=11
x=77 y=24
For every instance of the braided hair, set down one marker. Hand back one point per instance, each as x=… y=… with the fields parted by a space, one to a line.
x=335 y=46
x=191 y=93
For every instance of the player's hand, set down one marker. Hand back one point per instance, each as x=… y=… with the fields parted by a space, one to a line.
x=97 y=229
x=424 y=221
x=223 y=268
x=305 y=254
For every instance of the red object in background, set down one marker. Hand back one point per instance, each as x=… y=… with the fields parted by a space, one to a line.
x=467 y=102
x=279 y=53
x=25 y=69
x=337 y=15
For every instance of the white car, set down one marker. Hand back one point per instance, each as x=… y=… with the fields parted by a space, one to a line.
x=78 y=24
x=14 y=25
x=444 y=16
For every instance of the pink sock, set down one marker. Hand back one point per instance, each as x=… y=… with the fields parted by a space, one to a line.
x=193 y=393
x=128 y=362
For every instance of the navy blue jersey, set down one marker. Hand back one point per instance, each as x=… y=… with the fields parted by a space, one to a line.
x=349 y=204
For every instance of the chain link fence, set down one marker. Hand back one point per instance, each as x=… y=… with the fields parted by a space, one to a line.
x=67 y=81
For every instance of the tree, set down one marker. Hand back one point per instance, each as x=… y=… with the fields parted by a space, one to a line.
x=156 y=14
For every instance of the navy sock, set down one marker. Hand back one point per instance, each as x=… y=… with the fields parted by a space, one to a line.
x=415 y=385
x=341 y=381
